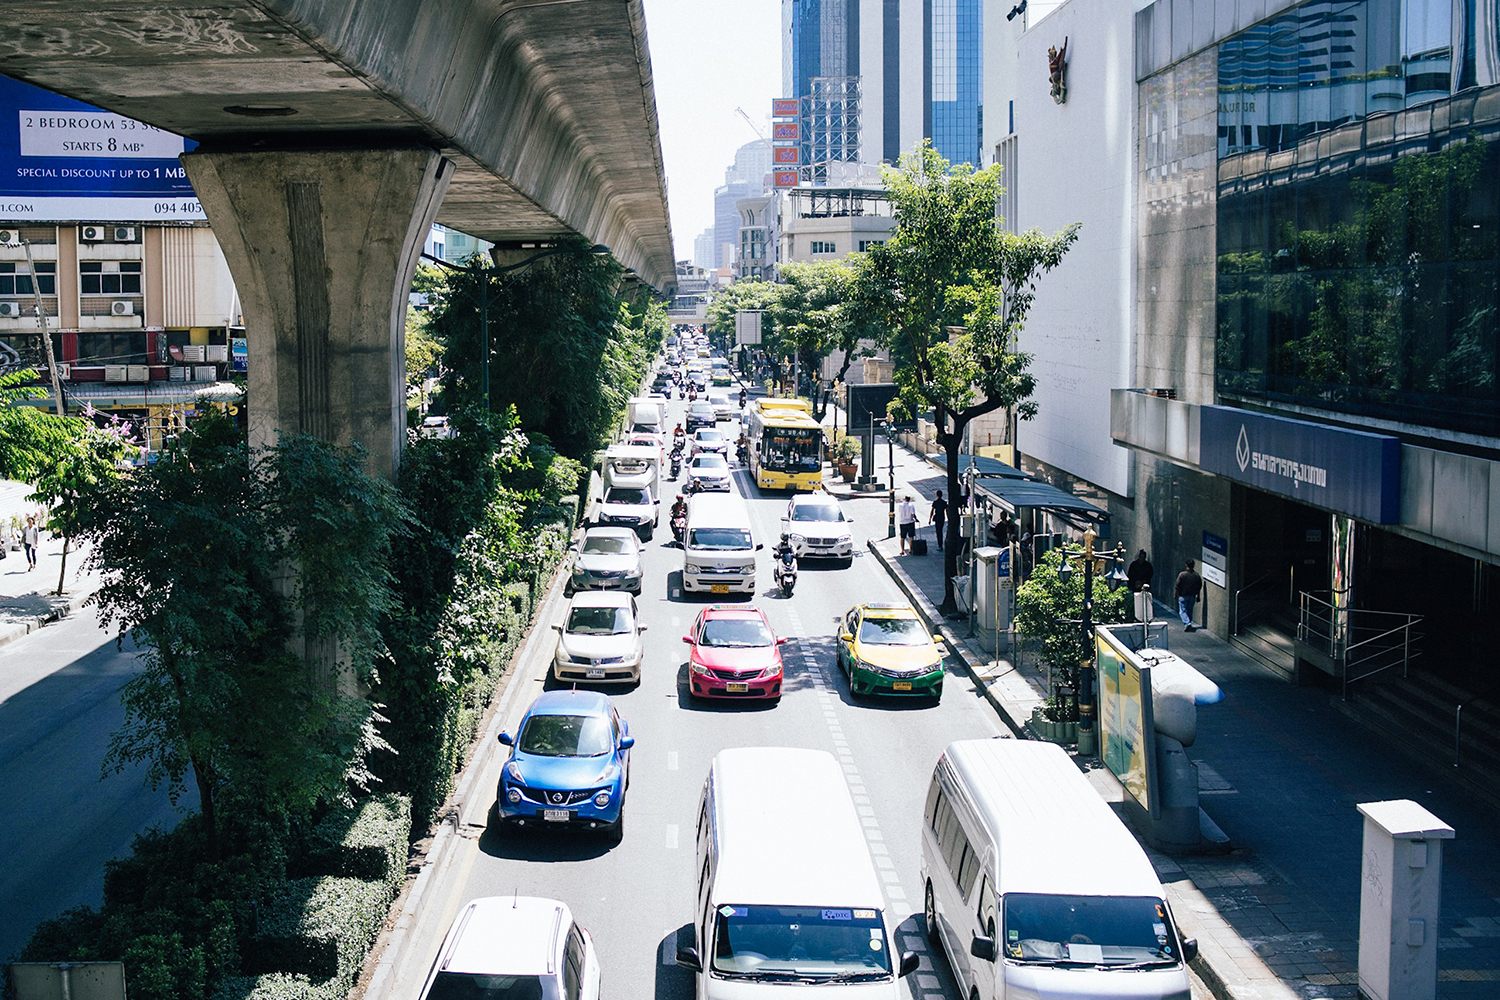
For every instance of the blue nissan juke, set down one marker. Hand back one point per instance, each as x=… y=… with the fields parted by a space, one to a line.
x=569 y=765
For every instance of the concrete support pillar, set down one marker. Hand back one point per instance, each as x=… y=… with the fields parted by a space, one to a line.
x=1341 y=579
x=322 y=245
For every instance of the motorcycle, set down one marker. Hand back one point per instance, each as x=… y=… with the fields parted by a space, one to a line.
x=692 y=394
x=744 y=398
x=679 y=527
x=676 y=461
x=786 y=571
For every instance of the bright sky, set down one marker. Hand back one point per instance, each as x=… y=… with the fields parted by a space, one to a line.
x=707 y=58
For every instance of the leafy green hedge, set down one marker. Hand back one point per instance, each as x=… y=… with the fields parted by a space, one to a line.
x=277 y=986
x=319 y=927
x=369 y=843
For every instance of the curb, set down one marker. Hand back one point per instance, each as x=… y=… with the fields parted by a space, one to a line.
x=1214 y=965
x=24 y=625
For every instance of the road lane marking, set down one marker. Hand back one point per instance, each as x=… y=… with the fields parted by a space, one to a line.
x=671 y=836
x=671 y=760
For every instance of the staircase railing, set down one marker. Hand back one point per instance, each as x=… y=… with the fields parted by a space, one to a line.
x=1360 y=643
x=1235 y=607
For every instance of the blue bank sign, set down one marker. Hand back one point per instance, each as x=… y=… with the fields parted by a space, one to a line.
x=65 y=161
x=1351 y=472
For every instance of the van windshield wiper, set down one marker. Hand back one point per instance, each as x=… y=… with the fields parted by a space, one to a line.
x=784 y=975
x=1148 y=963
x=858 y=977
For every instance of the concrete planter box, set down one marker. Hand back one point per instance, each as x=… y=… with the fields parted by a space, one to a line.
x=1065 y=733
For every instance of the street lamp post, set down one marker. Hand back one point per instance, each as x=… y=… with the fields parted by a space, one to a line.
x=488 y=272
x=1087 y=696
x=890 y=475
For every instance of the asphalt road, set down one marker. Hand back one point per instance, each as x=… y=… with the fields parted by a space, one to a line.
x=59 y=705
x=633 y=898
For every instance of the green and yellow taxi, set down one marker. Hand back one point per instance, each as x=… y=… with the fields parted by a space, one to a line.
x=886 y=649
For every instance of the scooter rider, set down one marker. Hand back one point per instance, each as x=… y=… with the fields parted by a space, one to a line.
x=679 y=438
x=679 y=507
x=744 y=396
x=786 y=564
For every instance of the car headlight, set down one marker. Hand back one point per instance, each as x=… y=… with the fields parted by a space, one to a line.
x=798 y=538
x=602 y=798
x=698 y=668
x=845 y=538
x=514 y=770
x=692 y=568
x=513 y=796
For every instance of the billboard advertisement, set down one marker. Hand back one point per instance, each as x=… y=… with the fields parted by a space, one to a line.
x=1127 y=727
x=786 y=154
x=784 y=107
x=784 y=178
x=65 y=161
x=786 y=130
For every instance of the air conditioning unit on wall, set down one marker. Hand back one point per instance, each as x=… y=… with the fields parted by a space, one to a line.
x=122 y=307
x=8 y=236
x=124 y=234
x=91 y=234
x=10 y=309
x=65 y=373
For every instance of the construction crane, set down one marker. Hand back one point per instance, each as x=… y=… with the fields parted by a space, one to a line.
x=758 y=134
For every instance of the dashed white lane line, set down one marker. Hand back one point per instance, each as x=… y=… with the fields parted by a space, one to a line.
x=671 y=836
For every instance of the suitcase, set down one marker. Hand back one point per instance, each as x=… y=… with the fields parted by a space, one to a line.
x=919 y=546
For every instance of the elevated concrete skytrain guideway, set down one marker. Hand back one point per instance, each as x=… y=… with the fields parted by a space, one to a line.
x=333 y=133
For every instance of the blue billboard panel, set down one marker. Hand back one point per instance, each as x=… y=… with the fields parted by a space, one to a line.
x=65 y=161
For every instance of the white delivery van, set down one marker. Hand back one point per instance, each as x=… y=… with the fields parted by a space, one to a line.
x=646 y=415
x=1035 y=888
x=718 y=548
x=633 y=465
x=787 y=895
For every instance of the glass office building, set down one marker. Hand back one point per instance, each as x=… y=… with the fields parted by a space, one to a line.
x=956 y=36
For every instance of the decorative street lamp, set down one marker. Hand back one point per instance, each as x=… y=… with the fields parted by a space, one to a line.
x=598 y=249
x=1087 y=695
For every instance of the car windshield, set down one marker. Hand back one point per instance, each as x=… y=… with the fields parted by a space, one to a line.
x=599 y=621
x=798 y=942
x=606 y=545
x=719 y=538
x=1098 y=930
x=565 y=736
x=894 y=632
x=702 y=409
x=709 y=461
x=469 y=986
x=735 y=632
x=621 y=494
x=817 y=512
x=710 y=436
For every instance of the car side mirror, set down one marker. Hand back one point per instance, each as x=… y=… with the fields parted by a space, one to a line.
x=759 y=546
x=557 y=626
x=626 y=742
x=910 y=962
x=982 y=948
x=640 y=628
x=506 y=739
x=688 y=959
x=937 y=639
x=781 y=640
x=688 y=639
x=1189 y=949
x=846 y=636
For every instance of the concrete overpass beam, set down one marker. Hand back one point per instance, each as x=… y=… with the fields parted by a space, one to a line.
x=323 y=245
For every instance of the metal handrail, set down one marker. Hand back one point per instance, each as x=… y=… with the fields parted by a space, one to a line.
x=1377 y=643
x=1236 y=629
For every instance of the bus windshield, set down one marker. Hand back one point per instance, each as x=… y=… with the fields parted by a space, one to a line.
x=791 y=449
x=801 y=942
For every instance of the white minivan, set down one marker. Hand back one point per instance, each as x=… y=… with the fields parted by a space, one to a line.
x=1034 y=887
x=633 y=465
x=718 y=549
x=787 y=895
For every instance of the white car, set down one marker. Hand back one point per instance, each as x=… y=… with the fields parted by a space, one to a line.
x=629 y=507
x=709 y=471
x=709 y=439
x=515 y=946
x=600 y=639
x=723 y=409
x=818 y=529
x=609 y=558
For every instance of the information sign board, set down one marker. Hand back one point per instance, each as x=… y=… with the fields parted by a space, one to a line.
x=786 y=154
x=1215 y=558
x=784 y=107
x=784 y=178
x=1127 y=729
x=786 y=130
x=65 y=161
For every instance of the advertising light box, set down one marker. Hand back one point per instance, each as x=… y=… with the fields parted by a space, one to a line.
x=65 y=161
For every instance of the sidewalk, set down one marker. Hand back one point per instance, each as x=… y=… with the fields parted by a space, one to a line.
x=27 y=597
x=1280 y=770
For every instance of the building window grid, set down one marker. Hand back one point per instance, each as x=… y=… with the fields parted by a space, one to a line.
x=15 y=279
x=824 y=246
x=96 y=277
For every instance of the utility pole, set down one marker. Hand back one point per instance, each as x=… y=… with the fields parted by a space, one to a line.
x=41 y=318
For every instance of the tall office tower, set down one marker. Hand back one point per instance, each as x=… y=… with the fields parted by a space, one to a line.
x=703 y=249
x=874 y=77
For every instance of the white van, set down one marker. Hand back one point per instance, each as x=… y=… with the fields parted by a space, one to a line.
x=633 y=465
x=718 y=548
x=1035 y=888
x=646 y=415
x=787 y=894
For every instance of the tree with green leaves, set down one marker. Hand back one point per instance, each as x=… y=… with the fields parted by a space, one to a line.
x=955 y=291
x=1049 y=608
x=825 y=305
x=30 y=437
x=74 y=479
x=232 y=569
x=742 y=295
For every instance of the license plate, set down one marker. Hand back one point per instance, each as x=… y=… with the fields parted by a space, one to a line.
x=734 y=687
x=718 y=588
x=555 y=815
x=901 y=686
x=595 y=673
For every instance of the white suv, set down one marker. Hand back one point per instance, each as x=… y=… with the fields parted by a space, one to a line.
x=517 y=947
x=818 y=529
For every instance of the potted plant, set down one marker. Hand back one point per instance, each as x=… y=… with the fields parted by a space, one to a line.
x=847 y=457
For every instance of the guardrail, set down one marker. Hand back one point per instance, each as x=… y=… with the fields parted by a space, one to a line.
x=1360 y=643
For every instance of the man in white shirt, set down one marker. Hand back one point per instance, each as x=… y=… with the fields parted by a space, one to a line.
x=906 y=520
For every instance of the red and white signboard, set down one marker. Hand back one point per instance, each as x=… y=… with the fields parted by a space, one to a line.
x=784 y=178
x=784 y=107
x=786 y=130
x=791 y=155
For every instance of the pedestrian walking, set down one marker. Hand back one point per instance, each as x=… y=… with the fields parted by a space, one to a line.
x=1138 y=574
x=906 y=520
x=1189 y=586
x=938 y=516
x=31 y=540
